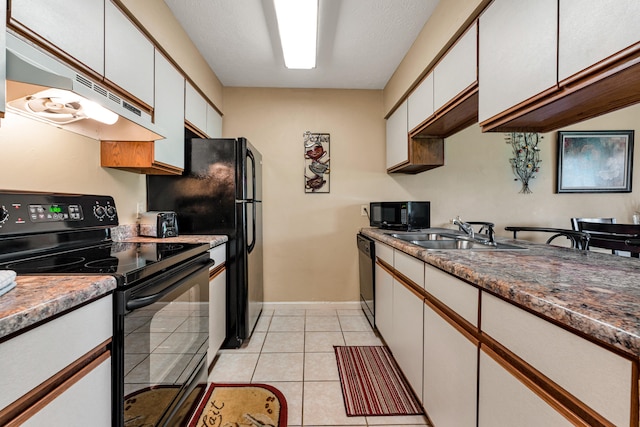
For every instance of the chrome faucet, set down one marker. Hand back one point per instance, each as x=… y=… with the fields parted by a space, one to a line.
x=463 y=226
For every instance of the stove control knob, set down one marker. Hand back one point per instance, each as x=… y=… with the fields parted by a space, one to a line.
x=4 y=214
x=111 y=212
x=99 y=211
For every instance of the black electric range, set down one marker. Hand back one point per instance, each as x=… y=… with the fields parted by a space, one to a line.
x=162 y=288
x=54 y=234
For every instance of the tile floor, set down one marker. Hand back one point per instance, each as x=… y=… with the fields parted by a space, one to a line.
x=292 y=349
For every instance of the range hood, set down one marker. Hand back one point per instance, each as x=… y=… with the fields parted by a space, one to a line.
x=43 y=88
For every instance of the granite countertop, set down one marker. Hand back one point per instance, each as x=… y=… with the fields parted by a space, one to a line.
x=36 y=298
x=213 y=240
x=597 y=294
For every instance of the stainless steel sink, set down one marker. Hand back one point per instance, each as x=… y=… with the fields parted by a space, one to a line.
x=464 y=244
x=444 y=239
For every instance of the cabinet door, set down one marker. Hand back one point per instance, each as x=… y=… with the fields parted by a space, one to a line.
x=450 y=373
x=397 y=137
x=129 y=55
x=87 y=402
x=407 y=345
x=383 y=303
x=420 y=103
x=505 y=401
x=457 y=70
x=214 y=123
x=592 y=30
x=217 y=310
x=599 y=378
x=517 y=53
x=195 y=108
x=74 y=26
x=169 y=112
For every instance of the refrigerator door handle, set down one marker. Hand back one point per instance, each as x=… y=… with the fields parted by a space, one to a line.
x=252 y=244
x=253 y=175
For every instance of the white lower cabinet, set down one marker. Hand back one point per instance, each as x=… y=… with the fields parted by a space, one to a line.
x=406 y=344
x=384 y=303
x=506 y=401
x=450 y=373
x=71 y=348
x=87 y=402
x=217 y=301
x=599 y=378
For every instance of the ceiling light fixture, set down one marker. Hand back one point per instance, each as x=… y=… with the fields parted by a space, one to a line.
x=298 y=27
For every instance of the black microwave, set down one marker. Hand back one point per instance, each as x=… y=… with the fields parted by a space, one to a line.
x=404 y=216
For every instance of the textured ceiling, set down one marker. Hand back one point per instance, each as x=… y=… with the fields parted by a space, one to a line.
x=360 y=42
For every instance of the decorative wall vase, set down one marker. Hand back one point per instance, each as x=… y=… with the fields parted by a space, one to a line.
x=526 y=156
x=316 y=162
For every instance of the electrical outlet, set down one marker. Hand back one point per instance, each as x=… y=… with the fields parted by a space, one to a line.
x=139 y=209
x=363 y=210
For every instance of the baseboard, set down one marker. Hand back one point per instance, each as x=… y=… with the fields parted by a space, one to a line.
x=312 y=305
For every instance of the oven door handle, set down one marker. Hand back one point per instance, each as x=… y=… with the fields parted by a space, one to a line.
x=136 y=303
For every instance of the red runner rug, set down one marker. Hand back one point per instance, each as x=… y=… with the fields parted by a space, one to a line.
x=240 y=405
x=372 y=383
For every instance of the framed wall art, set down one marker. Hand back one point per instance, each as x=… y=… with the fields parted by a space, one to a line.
x=595 y=161
x=316 y=162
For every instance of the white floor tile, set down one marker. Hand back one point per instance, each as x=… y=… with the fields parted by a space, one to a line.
x=279 y=367
x=284 y=342
x=404 y=420
x=362 y=338
x=316 y=312
x=322 y=341
x=355 y=324
x=263 y=323
x=289 y=312
x=350 y=312
x=322 y=324
x=287 y=324
x=320 y=367
x=252 y=345
x=234 y=368
x=323 y=405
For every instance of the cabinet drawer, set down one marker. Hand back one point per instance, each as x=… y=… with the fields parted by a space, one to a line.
x=505 y=401
x=218 y=254
x=384 y=252
x=87 y=402
x=34 y=356
x=599 y=378
x=459 y=296
x=409 y=266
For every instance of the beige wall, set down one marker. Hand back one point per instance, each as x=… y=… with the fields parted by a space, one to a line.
x=309 y=239
x=39 y=157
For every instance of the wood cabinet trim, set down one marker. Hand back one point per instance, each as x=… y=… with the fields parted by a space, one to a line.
x=216 y=271
x=25 y=407
x=615 y=85
x=469 y=331
x=604 y=64
x=562 y=401
x=134 y=156
x=402 y=279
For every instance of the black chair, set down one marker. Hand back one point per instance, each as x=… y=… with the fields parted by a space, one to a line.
x=579 y=240
x=617 y=237
x=575 y=221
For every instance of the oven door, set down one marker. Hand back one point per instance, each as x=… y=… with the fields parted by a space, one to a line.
x=160 y=345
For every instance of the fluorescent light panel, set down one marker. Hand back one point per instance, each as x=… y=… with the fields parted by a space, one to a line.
x=298 y=27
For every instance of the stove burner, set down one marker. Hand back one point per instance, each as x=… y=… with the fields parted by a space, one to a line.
x=46 y=264
x=107 y=265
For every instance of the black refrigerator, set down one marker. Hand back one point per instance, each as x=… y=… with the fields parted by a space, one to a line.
x=220 y=192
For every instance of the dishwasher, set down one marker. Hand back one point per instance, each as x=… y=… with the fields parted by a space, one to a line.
x=367 y=263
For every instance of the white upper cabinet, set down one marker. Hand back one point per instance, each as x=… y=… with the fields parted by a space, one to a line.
x=580 y=46
x=397 y=137
x=214 y=123
x=129 y=55
x=420 y=104
x=169 y=112
x=517 y=53
x=74 y=26
x=195 y=108
x=457 y=70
